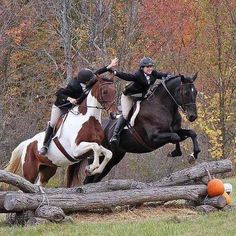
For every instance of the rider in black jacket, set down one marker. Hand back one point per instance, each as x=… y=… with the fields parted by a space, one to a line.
x=141 y=82
x=74 y=93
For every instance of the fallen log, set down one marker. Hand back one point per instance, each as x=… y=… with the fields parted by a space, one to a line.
x=52 y=213
x=106 y=186
x=194 y=173
x=218 y=201
x=176 y=178
x=19 y=218
x=85 y=202
x=18 y=181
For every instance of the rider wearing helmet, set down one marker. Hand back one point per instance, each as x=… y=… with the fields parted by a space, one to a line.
x=74 y=93
x=141 y=82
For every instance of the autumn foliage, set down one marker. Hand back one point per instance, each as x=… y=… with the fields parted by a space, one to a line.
x=44 y=43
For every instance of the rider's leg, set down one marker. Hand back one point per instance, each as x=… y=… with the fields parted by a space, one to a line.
x=55 y=114
x=126 y=104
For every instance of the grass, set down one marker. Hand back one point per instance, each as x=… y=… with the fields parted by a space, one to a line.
x=148 y=221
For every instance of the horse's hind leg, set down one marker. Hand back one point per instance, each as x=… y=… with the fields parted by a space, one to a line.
x=30 y=167
x=45 y=173
x=177 y=152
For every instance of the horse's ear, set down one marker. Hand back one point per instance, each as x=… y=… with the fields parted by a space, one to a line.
x=195 y=76
x=183 y=79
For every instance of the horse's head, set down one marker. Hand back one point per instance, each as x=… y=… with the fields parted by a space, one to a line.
x=104 y=90
x=187 y=96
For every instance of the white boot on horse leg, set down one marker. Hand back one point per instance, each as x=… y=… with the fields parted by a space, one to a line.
x=192 y=159
x=107 y=157
x=84 y=147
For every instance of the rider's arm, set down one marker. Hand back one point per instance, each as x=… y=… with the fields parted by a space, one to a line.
x=62 y=94
x=107 y=68
x=101 y=70
x=70 y=92
x=124 y=76
x=159 y=75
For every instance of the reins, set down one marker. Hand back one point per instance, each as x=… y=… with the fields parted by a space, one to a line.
x=167 y=90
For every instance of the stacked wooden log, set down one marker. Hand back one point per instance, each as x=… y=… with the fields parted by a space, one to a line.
x=35 y=205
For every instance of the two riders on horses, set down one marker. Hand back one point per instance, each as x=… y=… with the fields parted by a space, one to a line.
x=79 y=87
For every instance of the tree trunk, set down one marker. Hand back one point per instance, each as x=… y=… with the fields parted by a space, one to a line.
x=52 y=213
x=195 y=173
x=218 y=202
x=18 y=182
x=84 y=202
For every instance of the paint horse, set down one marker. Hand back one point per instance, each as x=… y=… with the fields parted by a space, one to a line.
x=79 y=134
x=157 y=123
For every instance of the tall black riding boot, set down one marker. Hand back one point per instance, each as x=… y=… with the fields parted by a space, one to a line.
x=47 y=140
x=118 y=128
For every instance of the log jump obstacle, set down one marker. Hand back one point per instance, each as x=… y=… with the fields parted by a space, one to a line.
x=34 y=204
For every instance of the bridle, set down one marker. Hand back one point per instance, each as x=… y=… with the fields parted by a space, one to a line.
x=183 y=106
x=105 y=98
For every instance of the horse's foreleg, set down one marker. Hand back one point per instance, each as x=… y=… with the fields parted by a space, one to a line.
x=116 y=158
x=107 y=157
x=186 y=133
x=84 y=147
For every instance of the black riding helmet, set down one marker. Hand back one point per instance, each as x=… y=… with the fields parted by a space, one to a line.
x=85 y=75
x=146 y=61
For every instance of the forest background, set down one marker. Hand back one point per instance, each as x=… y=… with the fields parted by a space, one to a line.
x=44 y=43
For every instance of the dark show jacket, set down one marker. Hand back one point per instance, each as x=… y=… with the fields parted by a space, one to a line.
x=139 y=84
x=74 y=90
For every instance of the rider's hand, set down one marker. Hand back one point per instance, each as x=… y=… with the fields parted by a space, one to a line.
x=113 y=63
x=112 y=115
x=72 y=100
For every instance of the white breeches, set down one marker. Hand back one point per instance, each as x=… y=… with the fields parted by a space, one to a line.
x=55 y=114
x=126 y=105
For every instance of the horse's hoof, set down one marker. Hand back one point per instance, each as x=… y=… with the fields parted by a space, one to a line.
x=174 y=154
x=191 y=159
x=169 y=154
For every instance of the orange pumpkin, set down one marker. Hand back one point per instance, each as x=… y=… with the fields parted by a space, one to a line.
x=227 y=197
x=215 y=187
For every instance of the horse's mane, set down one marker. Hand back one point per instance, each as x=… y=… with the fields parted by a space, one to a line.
x=159 y=86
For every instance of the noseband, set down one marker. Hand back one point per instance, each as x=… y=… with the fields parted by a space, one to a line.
x=181 y=94
x=183 y=107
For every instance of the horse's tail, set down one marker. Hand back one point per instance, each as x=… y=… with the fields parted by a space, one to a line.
x=75 y=174
x=15 y=162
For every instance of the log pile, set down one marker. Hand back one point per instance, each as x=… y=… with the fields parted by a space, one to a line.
x=33 y=204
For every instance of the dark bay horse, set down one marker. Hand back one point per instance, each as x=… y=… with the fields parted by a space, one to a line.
x=79 y=135
x=157 y=123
